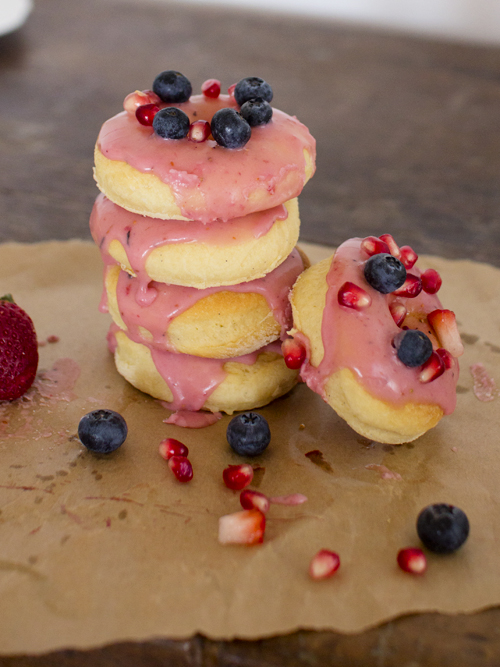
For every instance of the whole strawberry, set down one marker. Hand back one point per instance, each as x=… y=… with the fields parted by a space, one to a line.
x=18 y=350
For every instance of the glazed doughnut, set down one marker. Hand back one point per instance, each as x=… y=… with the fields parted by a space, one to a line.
x=352 y=337
x=216 y=323
x=191 y=253
x=194 y=383
x=181 y=179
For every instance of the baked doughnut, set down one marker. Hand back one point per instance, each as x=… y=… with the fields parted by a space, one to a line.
x=194 y=383
x=186 y=180
x=219 y=322
x=353 y=337
x=191 y=253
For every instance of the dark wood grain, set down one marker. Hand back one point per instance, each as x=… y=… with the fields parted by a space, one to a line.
x=408 y=137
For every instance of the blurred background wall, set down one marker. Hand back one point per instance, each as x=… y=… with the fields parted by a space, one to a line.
x=470 y=20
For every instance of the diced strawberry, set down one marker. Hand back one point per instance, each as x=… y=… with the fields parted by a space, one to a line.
x=294 y=353
x=251 y=500
x=411 y=287
x=352 y=296
x=408 y=256
x=374 y=246
x=432 y=369
x=445 y=325
x=446 y=357
x=245 y=527
x=393 y=246
x=431 y=281
x=324 y=564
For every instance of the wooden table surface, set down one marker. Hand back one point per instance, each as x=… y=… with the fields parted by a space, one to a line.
x=408 y=134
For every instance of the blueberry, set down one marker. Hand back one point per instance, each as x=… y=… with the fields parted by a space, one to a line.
x=384 y=272
x=171 y=123
x=102 y=431
x=252 y=88
x=230 y=129
x=248 y=434
x=256 y=112
x=442 y=528
x=172 y=86
x=413 y=347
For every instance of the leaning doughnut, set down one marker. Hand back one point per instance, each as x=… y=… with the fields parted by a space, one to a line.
x=353 y=337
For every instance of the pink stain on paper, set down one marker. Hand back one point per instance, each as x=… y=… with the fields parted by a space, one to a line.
x=384 y=472
x=484 y=387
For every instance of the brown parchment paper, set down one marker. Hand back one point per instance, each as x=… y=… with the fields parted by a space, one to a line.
x=101 y=549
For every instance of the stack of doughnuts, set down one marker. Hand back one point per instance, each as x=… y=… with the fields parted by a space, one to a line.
x=197 y=222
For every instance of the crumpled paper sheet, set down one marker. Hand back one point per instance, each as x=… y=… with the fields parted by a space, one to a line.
x=100 y=549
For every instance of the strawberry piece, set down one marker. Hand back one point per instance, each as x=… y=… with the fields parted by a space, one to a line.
x=172 y=447
x=374 y=246
x=294 y=353
x=181 y=467
x=254 y=500
x=245 y=527
x=412 y=560
x=398 y=312
x=408 y=256
x=352 y=296
x=432 y=369
x=431 y=281
x=445 y=325
x=324 y=564
x=237 y=477
x=393 y=246
x=18 y=350
x=411 y=287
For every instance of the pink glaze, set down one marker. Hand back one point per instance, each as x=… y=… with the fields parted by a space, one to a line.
x=139 y=235
x=220 y=179
x=154 y=305
x=361 y=340
x=190 y=379
x=188 y=419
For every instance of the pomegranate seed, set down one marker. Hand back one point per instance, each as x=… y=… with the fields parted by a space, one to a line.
x=146 y=113
x=181 y=467
x=432 y=369
x=411 y=287
x=431 y=281
x=172 y=447
x=408 y=256
x=254 y=500
x=199 y=131
x=230 y=90
x=140 y=98
x=373 y=246
x=211 y=88
x=294 y=353
x=446 y=357
x=352 y=296
x=324 y=564
x=412 y=560
x=245 y=527
x=393 y=246
x=398 y=312
x=238 y=476
x=445 y=325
